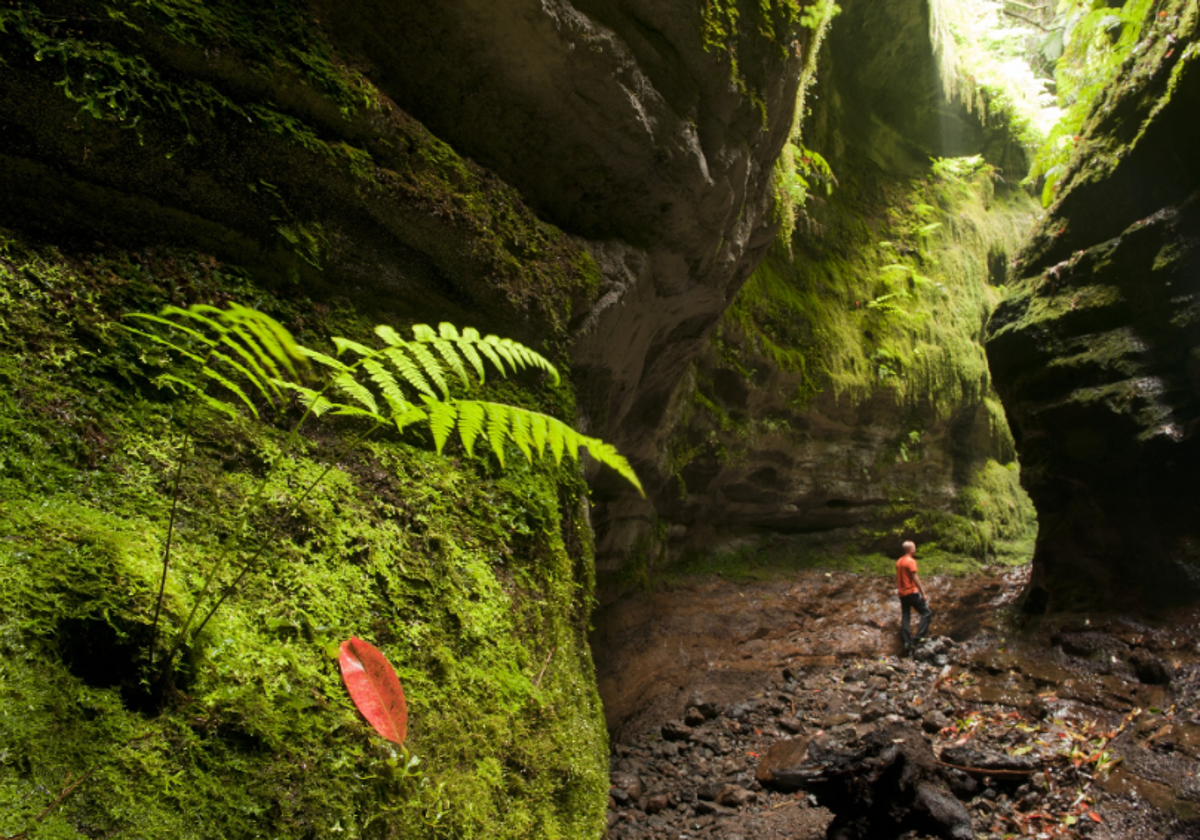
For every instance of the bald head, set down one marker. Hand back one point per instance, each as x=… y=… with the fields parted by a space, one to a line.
x=909 y=547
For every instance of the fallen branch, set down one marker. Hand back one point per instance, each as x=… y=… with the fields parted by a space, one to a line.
x=21 y=835
x=998 y=774
x=538 y=682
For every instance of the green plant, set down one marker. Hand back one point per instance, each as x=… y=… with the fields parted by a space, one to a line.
x=251 y=359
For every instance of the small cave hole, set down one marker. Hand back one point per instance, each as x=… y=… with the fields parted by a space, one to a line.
x=104 y=656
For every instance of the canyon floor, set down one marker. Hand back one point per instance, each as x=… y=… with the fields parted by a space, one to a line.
x=784 y=709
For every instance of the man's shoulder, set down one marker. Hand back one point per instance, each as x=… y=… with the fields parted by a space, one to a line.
x=907 y=562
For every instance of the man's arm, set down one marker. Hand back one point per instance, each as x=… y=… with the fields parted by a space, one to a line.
x=920 y=587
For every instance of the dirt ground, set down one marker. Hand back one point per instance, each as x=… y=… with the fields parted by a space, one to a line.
x=1104 y=709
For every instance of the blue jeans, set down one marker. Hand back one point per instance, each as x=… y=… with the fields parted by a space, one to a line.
x=907 y=604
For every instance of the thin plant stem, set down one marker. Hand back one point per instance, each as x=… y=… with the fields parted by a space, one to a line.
x=162 y=584
x=181 y=637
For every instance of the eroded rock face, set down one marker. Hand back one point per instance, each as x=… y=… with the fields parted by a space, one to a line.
x=1097 y=353
x=626 y=124
x=776 y=445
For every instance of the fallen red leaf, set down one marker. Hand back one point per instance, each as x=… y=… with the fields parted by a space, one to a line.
x=1094 y=816
x=374 y=688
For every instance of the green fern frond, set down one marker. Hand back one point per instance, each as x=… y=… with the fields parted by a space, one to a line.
x=312 y=400
x=466 y=346
x=453 y=361
x=442 y=417
x=408 y=369
x=430 y=366
x=354 y=389
x=344 y=344
x=324 y=359
x=213 y=403
x=497 y=427
x=393 y=394
x=471 y=416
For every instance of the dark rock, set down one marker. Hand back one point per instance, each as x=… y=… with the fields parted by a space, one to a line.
x=934 y=721
x=1095 y=358
x=626 y=785
x=887 y=785
x=1149 y=668
x=694 y=717
x=674 y=730
x=735 y=796
x=874 y=711
x=781 y=767
x=962 y=785
x=709 y=710
x=839 y=719
x=657 y=802
x=790 y=724
x=713 y=809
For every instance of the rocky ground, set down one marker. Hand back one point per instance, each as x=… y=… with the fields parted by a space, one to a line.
x=1081 y=727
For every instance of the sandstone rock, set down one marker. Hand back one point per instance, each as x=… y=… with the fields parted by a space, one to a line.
x=674 y=730
x=657 y=802
x=625 y=787
x=735 y=796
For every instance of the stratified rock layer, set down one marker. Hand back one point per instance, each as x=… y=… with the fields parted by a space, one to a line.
x=1097 y=353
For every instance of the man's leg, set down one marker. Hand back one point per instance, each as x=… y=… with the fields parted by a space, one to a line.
x=905 y=623
x=925 y=613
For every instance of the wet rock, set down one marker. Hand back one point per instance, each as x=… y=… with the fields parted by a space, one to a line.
x=625 y=787
x=694 y=717
x=735 y=796
x=962 y=785
x=782 y=767
x=790 y=724
x=712 y=808
x=674 y=730
x=934 y=721
x=655 y=804
x=874 y=711
x=704 y=707
x=708 y=792
x=1149 y=668
x=838 y=719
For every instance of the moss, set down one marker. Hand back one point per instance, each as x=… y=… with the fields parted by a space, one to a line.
x=899 y=304
x=189 y=79
x=742 y=30
x=476 y=583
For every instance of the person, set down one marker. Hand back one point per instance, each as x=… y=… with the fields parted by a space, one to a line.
x=912 y=596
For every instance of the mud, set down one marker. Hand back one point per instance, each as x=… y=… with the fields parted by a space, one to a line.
x=707 y=686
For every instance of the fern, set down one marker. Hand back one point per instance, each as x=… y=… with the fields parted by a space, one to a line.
x=255 y=363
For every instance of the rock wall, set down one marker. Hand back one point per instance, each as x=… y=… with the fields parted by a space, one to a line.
x=844 y=401
x=1096 y=351
x=650 y=130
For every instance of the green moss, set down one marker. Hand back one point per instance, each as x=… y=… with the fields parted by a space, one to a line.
x=476 y=583
x=202 y=73
x=899 y=305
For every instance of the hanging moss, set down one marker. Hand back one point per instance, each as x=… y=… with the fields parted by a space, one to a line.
x=475 y=582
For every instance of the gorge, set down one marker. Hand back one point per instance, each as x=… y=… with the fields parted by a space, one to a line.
x=791 y=261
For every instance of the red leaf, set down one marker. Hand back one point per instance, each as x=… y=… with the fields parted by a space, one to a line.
x=1094 y=816
x=374 y=688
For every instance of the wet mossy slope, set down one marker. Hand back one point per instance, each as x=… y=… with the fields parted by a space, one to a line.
x=179 y=152
x=476 y=583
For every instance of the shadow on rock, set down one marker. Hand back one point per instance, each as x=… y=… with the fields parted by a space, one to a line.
x=880 y=785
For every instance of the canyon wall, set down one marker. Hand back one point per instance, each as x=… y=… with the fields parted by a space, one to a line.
x=1095 y=352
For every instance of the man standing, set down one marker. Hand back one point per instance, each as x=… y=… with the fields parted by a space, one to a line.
x=912 y=594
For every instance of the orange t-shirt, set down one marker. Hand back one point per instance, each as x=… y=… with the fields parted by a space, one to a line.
x=906 y=575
